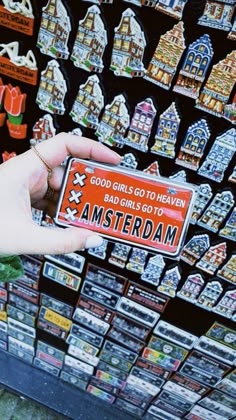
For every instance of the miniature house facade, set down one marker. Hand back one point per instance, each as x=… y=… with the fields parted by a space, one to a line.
x=43 y=129
x=173 y=8
x=167 y=131
x=195 y=248
x=128 y=47
x=203 y=196
x=228 y=271
x=217 y=14
x=213 y=258
x=217 y=211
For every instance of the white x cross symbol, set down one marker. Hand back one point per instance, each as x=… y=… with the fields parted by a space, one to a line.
x=75 y=196
x=70 y=214
x=79 y=179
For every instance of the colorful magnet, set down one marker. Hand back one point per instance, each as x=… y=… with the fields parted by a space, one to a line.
x=166 y=57
x=37 y=215
x=215 y=94
x=219 y=156
x=230 y=111
x=209 y=295
x=217 y=211
x=195 y=248
x=54 y=30
x=52 y=89
x=232 y=33
x=153 y=169
x=153 y=270
x=194 y=68
x=170 y=281
x=114 y=123
x=99 y=251
x=232 y=177
x=21 y=67
x=88 y=103
x=43 y=129
x=141 y=125
x=191 y=288
x=212 y=258
x=90 y=42
x=166 y=133
x=2 y=95
x=119 y=255
x=228 y=271
x=179 y=176
x=173 y=8
x=204 y=194
x=227 y=304
x=129 y=161
x=217 y=15
x=17 y=15
x=229 y=230
x=76 y=131
x=6 y=155
x=192 y=149
x=14 y=104
x=137 y=260
x=128 y=47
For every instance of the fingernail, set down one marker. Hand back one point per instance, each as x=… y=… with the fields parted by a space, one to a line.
x=93 y=241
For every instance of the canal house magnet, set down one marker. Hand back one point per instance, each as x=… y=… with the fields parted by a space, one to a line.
x=169 y=282
x=232 y=33
x=128 y=47
x=192 y=149
x=166 y=133
x=209 y=295
x=17 y=15
x=129 y=161
x=191 y=288
x=153 y=169
x=119 y=254
x=90 y=42
x=228 y=271
x=230 y=111
x=43 y=129
x=229 y=230
x=194 y=68
x=153 y=270
x=217 y=211
x=195 y=248
x=88 y=103
x=173 y=8
x=226 y=305
x=212 y=258
x=217 y=14
x=137 y=260
x=54 y=30
x=165 y=60
x=204 y=194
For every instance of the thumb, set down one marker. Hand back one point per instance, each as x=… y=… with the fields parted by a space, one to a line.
x=50 y=240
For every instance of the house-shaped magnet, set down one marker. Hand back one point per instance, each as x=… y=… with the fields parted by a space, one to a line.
x=129 y=161
x=229 y=230
x=217 y=14
x=141 y=125
x=194 y=68
x=173 y=8
x=228 y=271
x=128 y=47
x=232 y=33
x=90 y=42
x=52 y=89
x=219 y=156
x=213 y=258
x=119 y=254
x=165 y=60
x=153 y=169
x=230 y=111
x=179 y=176
x=153 y=270
x=215 y=94
x=192 y=149
x=232 y=177
x=191 y=288
x=227 y=304
x=209 y=295
x=170 y=281
x=17 y=15
x=88 y=103
x=99 y=251
x=54 y=30
x=166 y=133
x=195 y=248
x=203 y=196
x=217 y=211
x=137 y=260
x=43 y=129
x=114 y=123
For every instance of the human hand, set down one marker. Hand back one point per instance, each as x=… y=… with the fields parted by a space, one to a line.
x=23 y=184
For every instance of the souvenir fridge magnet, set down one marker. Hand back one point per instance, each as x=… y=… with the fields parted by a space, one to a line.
x=2 y=94
x=141 y=125
x=20 y=67
x=191 y=288
x=213 y=258
x=128 y=47
x=54 y=30
x=52 y=89
x=215 y=94
x=43 y=129
x=153 y=270
x=204 y=194
x=232 y=33
x=14 y=104
x=173 y=8
x=169 y=282
x=129 y=161
x=195 y=248
x=217 y=14
x=114 y=123
x=209 y=295
x=119 y=255
x=166 y=133
x=229 y=230
x=230 y=111
x=192 y=149
x=153 y=169
x=165 y=60
x=17 y=15
x=99 y=251
x=232 y=177
x=90 y=42
x=227 y=304
x=228 y=271
x=219 y=156
x=88 y=103
x=217 y=211
x=179 y=176
x=137 y=260
x=194 y=68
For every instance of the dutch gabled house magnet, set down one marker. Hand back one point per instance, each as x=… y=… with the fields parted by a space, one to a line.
x=52 y=89
x=219 y=156
x=209 y=295
x=43 y=129
x=204 y=194
x=153 y=270
x=194 y=68
x=173 y=8
x=119 y=254
x=167 y=132
x=153 y=169
x=191 y=288
x=169 y=282
x=227 y=304
x=195 y=248
x=164 y=62
x=232 y=33
x=128 y=47
x=192 y=149
x=230 y=111
x=88 y=103
x=228 y=271
x=213 y=258
x=129 y=161
x=141 y=125
x=90 y=42
x=229 y=230
x=217 y=14
x=114 y=123
x=137 y=260
x=54 y=30
x=99 y=251
x=179 y=176
x=217 y=211
x=215 y=94
x=17 y=15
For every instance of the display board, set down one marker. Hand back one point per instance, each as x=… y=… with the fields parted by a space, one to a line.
x=151 y=334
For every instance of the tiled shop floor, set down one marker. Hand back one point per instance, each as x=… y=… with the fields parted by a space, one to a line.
x=15 y=407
